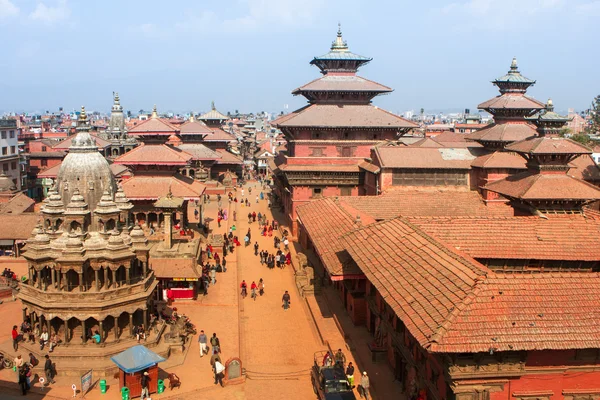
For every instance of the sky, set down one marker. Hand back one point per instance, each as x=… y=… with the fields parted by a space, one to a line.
x=248 y=55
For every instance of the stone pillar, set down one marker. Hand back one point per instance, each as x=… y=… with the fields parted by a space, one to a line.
x=48 y=327
x=30 y=275
x=127 y=274
x=106 y=283
x=145 y=316
x=130 y=324
x=66 y=323
x=145 y=268
x=53 y=273
x=97 y=279
x=80 y=281
x=65 y=281
x=116 y=328
x=39 y=279
x=24 y=313
x=58 y=280
x=101 y=323
x=146 y=220
x=168 y=230
x=83 y=332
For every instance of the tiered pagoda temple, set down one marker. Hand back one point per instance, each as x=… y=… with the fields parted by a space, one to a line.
x=329 y=139
x=116 y=133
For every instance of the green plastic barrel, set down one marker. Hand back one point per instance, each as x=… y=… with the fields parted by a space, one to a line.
x=103 y=386
x=124 y=393
x=161 y=386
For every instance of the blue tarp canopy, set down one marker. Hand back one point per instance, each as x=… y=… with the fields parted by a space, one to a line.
x=136 y=358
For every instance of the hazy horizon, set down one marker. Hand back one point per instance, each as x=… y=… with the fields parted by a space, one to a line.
x=250 y=54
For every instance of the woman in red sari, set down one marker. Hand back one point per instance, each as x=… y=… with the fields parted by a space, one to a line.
x=288 y=258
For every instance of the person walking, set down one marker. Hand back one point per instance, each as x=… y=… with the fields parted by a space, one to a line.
x=219 y=369
x=215 y=343
x=255 y=248
x=364 y=385
x=286 y=300
x=213 y=274
x=350 y=374
x=244 y=288
x=261 y=287
x=203 y=342
x=23 y=380
x=145 y=385
x=49 y=369
x=15 y=338
x=253 y=290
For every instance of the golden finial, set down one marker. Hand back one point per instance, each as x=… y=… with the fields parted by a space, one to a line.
x=154 y=112
x=513 y=64
x=192 y=119
x=82 y=116
x=212 y=105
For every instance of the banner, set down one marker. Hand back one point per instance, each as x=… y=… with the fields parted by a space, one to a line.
x=86 y=382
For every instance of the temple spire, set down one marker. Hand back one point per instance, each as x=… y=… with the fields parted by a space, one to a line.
x=212 y=105
x=339 y=44
x=154 y=112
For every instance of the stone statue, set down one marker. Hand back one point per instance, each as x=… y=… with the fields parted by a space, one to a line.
x=302 y=261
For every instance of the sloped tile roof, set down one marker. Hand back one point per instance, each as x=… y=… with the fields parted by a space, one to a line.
x=194 y=128
x=584 y=167
x=548 y=145
x=423 y=281
x=65 y=144
x=325 y=222
x=17 y=227
x=174 y=267
x=153 y=126
x=228 y=158
x=500 y=159
x=508 y=132
x=352 y=116
x=150 y=154
x=452 y=304
x=512 y=100
x=219 y=135
x=199 y=151
x=426 y=142
x=320 y=167
x=421 y=202
x=558 y=237
x=343 y=83
x=144 y=187
x=532 y=186
x=18 y=204
x=424 y=157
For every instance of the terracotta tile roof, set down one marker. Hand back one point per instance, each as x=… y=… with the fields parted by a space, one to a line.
x=584 y=167
x=510 y=100
x=174 y=267
x=17 y=227
x=367 y=166
x=145 y=187
x=423 y=281
x=508 y=132
x=532 y=186
x=558 y=237
x=449 y=136
x=452 y=304
x=548 y=145
x=424 y=157
x=118 y=170
x=47 y=154
x=228 y=158
x=325 y=222
x=65 y=144
x=150 y=154
x=426 y=142
x=194 y=128
x=353 y=116
x=500 y=159
x=527 y=312
x=219 y=135
x=421 y=202
x=51 y=172
x=343 y=83
x=18 y=204
x=199 y=151
x=153 y=126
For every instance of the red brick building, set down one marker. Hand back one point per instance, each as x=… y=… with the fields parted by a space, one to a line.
x=329 y=139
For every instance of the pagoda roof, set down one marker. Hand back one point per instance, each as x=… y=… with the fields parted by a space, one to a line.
x=505 y=132
x=548 y=145
x=153 y=126
x=145 y=187
x=213 y=114
x=548 y=115
x=194 y=128
x=426 y=142
x=169 y=201
x=152 y=154
x=500 y=159
x=512 y=101
x=219 y=135
x=199 y=151
x=584 y=167
x=513 y=75
x=228 y=158
x=544 y=187
x=343 y=116
x=340 y=55
x=65 y=144
x=424 y=157
x=343 y=83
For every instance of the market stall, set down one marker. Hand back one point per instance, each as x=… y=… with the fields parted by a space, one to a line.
x=132 y=364
x=177 y=277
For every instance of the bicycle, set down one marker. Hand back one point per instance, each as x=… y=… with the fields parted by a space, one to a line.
x=244 y=292
x=253 y=295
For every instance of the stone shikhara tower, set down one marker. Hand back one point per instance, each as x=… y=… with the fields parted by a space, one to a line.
x=88 y=271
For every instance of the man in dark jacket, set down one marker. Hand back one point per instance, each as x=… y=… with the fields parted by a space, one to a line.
x=49 y=369
x=145 y=385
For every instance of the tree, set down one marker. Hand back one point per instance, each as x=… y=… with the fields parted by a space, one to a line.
x=594 y=127
x=581 y=138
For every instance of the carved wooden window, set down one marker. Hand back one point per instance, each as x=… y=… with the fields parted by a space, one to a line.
x=428 y=177
x=317 y=192
x=346 y=151
x=345 y=191
x=316 y=151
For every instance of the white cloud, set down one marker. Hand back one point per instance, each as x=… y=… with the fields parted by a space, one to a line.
x=51 y=14
x=591 y=9
x=8 y=9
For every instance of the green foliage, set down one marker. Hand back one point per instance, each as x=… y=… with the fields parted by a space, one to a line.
x=581 y=138
x=594 y=128
x=564 y=132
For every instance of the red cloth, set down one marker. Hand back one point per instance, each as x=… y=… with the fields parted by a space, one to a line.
x=182 y=294
x=15 y=334
x=253 y=286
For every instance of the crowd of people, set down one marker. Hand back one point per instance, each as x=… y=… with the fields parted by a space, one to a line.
x=26 y=371
x=215 y=359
